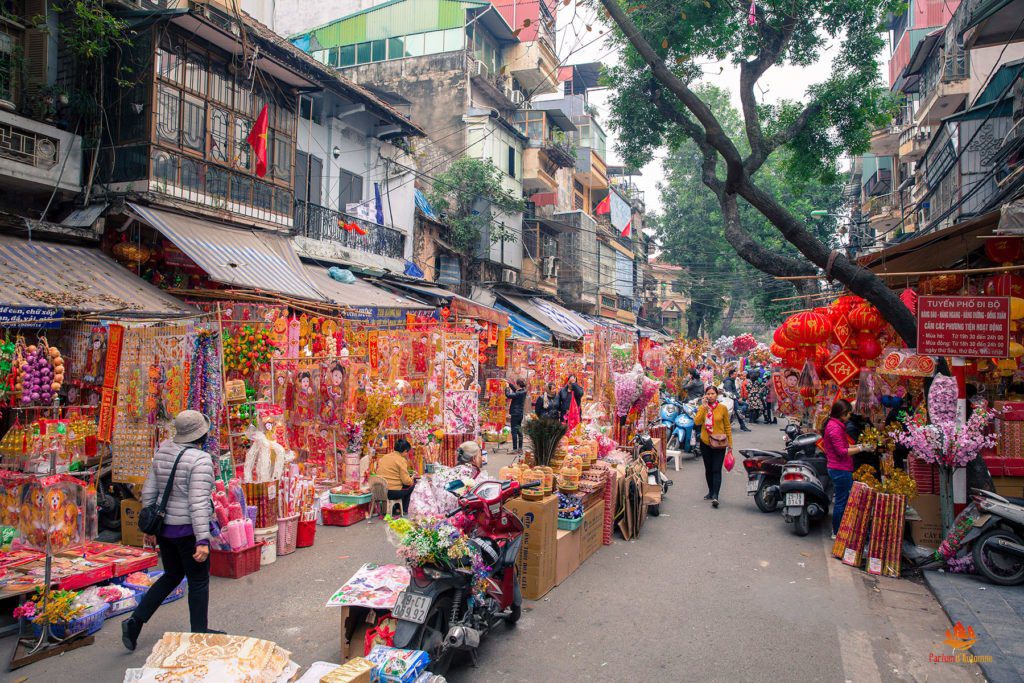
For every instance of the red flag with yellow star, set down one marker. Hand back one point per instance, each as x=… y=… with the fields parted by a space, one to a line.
x=258 y=141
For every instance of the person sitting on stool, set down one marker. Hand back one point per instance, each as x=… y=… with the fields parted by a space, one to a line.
x=393 y=467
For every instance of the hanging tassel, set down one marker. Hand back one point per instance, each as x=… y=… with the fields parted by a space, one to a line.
x=752 y=15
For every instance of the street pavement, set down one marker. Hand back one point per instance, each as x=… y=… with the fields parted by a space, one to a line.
x=701 y=595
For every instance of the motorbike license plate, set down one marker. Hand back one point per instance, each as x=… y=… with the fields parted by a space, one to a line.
x=794 y=499
x=752 y=485
x=411 y=607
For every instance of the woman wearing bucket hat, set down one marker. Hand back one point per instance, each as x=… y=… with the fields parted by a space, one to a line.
x=184 y=541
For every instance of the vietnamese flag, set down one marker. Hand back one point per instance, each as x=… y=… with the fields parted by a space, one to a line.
x=628 y=229
x=258 y=141
x=604 y=206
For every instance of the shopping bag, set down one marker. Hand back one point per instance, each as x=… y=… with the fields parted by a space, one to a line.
x=729 y=460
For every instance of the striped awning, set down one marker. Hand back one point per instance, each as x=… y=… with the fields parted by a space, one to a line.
x=523 y=327
x=69 y=278
x=247 y=258
x=564 y=324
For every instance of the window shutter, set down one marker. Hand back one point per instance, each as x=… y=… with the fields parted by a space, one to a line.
x=37 y=48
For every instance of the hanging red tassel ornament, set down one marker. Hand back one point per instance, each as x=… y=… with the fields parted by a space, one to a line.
x=909 y=299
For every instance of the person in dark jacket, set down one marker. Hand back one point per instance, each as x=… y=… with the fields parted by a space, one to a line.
x=516 y=395
x=694 y=388
x=185 y=540
x=547 y=406
x=566 y=394
x=729 y=386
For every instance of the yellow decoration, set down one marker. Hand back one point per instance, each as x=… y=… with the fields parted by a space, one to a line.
x=1016 y=350
x=1016 y=308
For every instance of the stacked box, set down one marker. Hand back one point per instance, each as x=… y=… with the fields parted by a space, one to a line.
x=853 y=530
x=925 y=475
x=886 y=534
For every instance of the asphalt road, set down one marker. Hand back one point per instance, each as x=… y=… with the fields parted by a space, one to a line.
x=702 y=595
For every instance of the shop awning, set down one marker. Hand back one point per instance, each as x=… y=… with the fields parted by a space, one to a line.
x=252 y=259
x=935 y=250
x=565 y=325
x=993 y=22
x=523 y=327
x=360 y=294
x=460 y=305
x=59 y=276
x=649 y=333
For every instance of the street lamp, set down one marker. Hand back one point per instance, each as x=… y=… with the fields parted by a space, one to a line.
x=818 y=213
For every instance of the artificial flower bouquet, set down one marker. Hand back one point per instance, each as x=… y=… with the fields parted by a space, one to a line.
x=947 y=443
x=428 y=541
x=61 y=607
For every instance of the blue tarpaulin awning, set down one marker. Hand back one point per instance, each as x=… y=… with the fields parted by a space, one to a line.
x=523 y=327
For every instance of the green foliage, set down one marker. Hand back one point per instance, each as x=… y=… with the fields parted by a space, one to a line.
x=466 y=196
x=848 y=102
x=691 y=227
x=89 y=30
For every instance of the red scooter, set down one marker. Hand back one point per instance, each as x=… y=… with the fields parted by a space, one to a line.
x=438 y=612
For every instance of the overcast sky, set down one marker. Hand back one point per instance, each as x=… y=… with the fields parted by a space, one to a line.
x=581 y=46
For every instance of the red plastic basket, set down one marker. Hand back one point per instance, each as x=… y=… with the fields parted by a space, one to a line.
x=287 y=530
x=234 y=564
x=306 y=534
x=346 y=517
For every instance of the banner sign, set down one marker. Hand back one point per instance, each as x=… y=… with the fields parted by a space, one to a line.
x=906 y=363
x=968 y=326
x=31 y=315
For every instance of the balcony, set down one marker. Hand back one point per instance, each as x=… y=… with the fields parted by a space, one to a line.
x=591 y=169
x=534 y=64
x=36 y=155
x=882 y=212
x=914 y=142
x=497 y=88
x=945 y=84
x=879 y=183
x=320 y=224
x=885 y=142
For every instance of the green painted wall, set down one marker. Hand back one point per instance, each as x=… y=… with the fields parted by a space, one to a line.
x=394 y=19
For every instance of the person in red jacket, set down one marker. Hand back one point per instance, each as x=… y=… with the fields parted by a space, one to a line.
x=839 y=456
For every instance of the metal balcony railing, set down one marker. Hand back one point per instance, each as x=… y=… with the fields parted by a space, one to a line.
x=28 y=147
x=320 y=223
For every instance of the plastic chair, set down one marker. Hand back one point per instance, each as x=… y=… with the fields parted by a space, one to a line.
x=379 y=502
x=676 y=456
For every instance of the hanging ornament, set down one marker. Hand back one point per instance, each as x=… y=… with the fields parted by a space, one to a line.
x=947 y=283
x=780 y=339
x=865 y=318
x=909 y=299
x=1005 y=250
x=752 y=14
x=1004 y=284
x=868 y=347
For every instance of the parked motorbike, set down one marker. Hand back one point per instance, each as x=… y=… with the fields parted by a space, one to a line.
x=677 y=417
x=438 y=613
x=805 y=490
x=764 y=468
x=643 y=447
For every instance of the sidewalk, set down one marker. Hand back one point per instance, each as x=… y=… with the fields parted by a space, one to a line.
x=995 y=612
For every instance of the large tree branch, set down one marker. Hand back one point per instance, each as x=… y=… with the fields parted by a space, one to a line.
x=773 y=43
x=716 y=135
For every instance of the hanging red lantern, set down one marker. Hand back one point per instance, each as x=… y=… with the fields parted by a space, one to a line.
x=1004 y=249
x=779 y=338
x=777 y=351
x=868 y=347
x=1004 y=284
x=865 y=318
x=947 y=283
x=909 y=299
x=843 y=305
x=807 y=328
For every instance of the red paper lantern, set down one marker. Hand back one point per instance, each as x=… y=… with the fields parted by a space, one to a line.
x=1005 y=249
x=1004 y=284
x=947 y=283
x=780 y=338
x=844 y=304
x=865 y=318
x=868 y=347
x=777 y=351
x=807 y=328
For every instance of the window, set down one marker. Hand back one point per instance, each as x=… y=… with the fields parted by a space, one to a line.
x=193 y=124
x=396 y=48
x=454 y=39
x=377 y=50
x=217 y=182
x=511 y=170
x=168 y=63
x=350 y=189
x=310 y=108
x=7 y=69
x=189 y=175
x=280 y=149
x=220 y=84
x=332 y=56
x=348 y=56
x=165 y=168
x=242 y=149
x=364 y=53
x=167 y=115
x=241 y=188
x=195 y=73
x=433 y=42
x=415 y=45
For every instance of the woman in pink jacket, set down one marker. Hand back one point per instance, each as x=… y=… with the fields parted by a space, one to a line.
x=839 y=455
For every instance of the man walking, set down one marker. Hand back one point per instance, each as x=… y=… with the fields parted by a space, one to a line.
x=738 y=405
x=516 y=395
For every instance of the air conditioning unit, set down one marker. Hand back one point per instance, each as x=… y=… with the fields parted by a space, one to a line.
x=509 y=91
x=509 y=276
x=517 y=97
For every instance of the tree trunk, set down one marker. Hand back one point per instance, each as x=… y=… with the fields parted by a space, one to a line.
x=730 y=313
x=693 y=320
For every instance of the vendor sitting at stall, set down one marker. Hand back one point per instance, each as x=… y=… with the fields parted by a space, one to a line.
x=439 y=495
x=393 y=467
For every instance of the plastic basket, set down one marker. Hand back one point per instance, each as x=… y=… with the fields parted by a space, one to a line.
x=85 y=625
x=122 y=606
x=569 y=524
x=287 y=534
x=176 y=594
x=350 y=499
x=234 y=564
x=346 y=516
x=305 y=536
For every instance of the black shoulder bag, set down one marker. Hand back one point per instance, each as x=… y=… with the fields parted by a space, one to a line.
x=151 y=517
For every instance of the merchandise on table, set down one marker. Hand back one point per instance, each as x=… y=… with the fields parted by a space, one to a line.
x=398 y=666
x=214 y=658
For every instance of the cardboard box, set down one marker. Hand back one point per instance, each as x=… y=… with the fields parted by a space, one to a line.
x=536 y=561
x=130 y=532
x=356 y=670
x=567 y=554
x=928 y=531
x=591 y=531
x=355 y=622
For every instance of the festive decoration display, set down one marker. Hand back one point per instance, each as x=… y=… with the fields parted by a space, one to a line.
x=248 y=350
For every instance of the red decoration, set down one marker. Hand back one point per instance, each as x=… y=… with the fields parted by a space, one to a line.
x=445 y=312
x=793 y=359
x=865 y=318
x=1005 y=249
x=841 y=331
x=844 y=304
x=842 y=368
x=868 y=347
x=1005 y=284
x=947 y=283
x=909 y=299
x=777 y=351
x=807 y=328
x=258 y=141
x=780 y=338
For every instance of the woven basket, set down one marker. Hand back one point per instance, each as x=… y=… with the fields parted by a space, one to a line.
x=287 y=534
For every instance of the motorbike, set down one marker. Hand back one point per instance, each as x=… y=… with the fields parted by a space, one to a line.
x=805 y=490
x=764 y=468
x=677 y=418
x=643 y=447
x=998 y=552
x=439 y=613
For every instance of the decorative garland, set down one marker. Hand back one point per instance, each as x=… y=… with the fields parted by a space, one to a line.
x=249 y=350
x=205 y=386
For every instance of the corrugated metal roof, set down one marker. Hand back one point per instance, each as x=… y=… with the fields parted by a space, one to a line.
x=360 y=293
x=245 y=258
x=77 y=279
x=391 y=19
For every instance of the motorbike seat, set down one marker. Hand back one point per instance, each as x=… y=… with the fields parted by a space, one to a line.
x=1015 y=501
x=758 y=453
